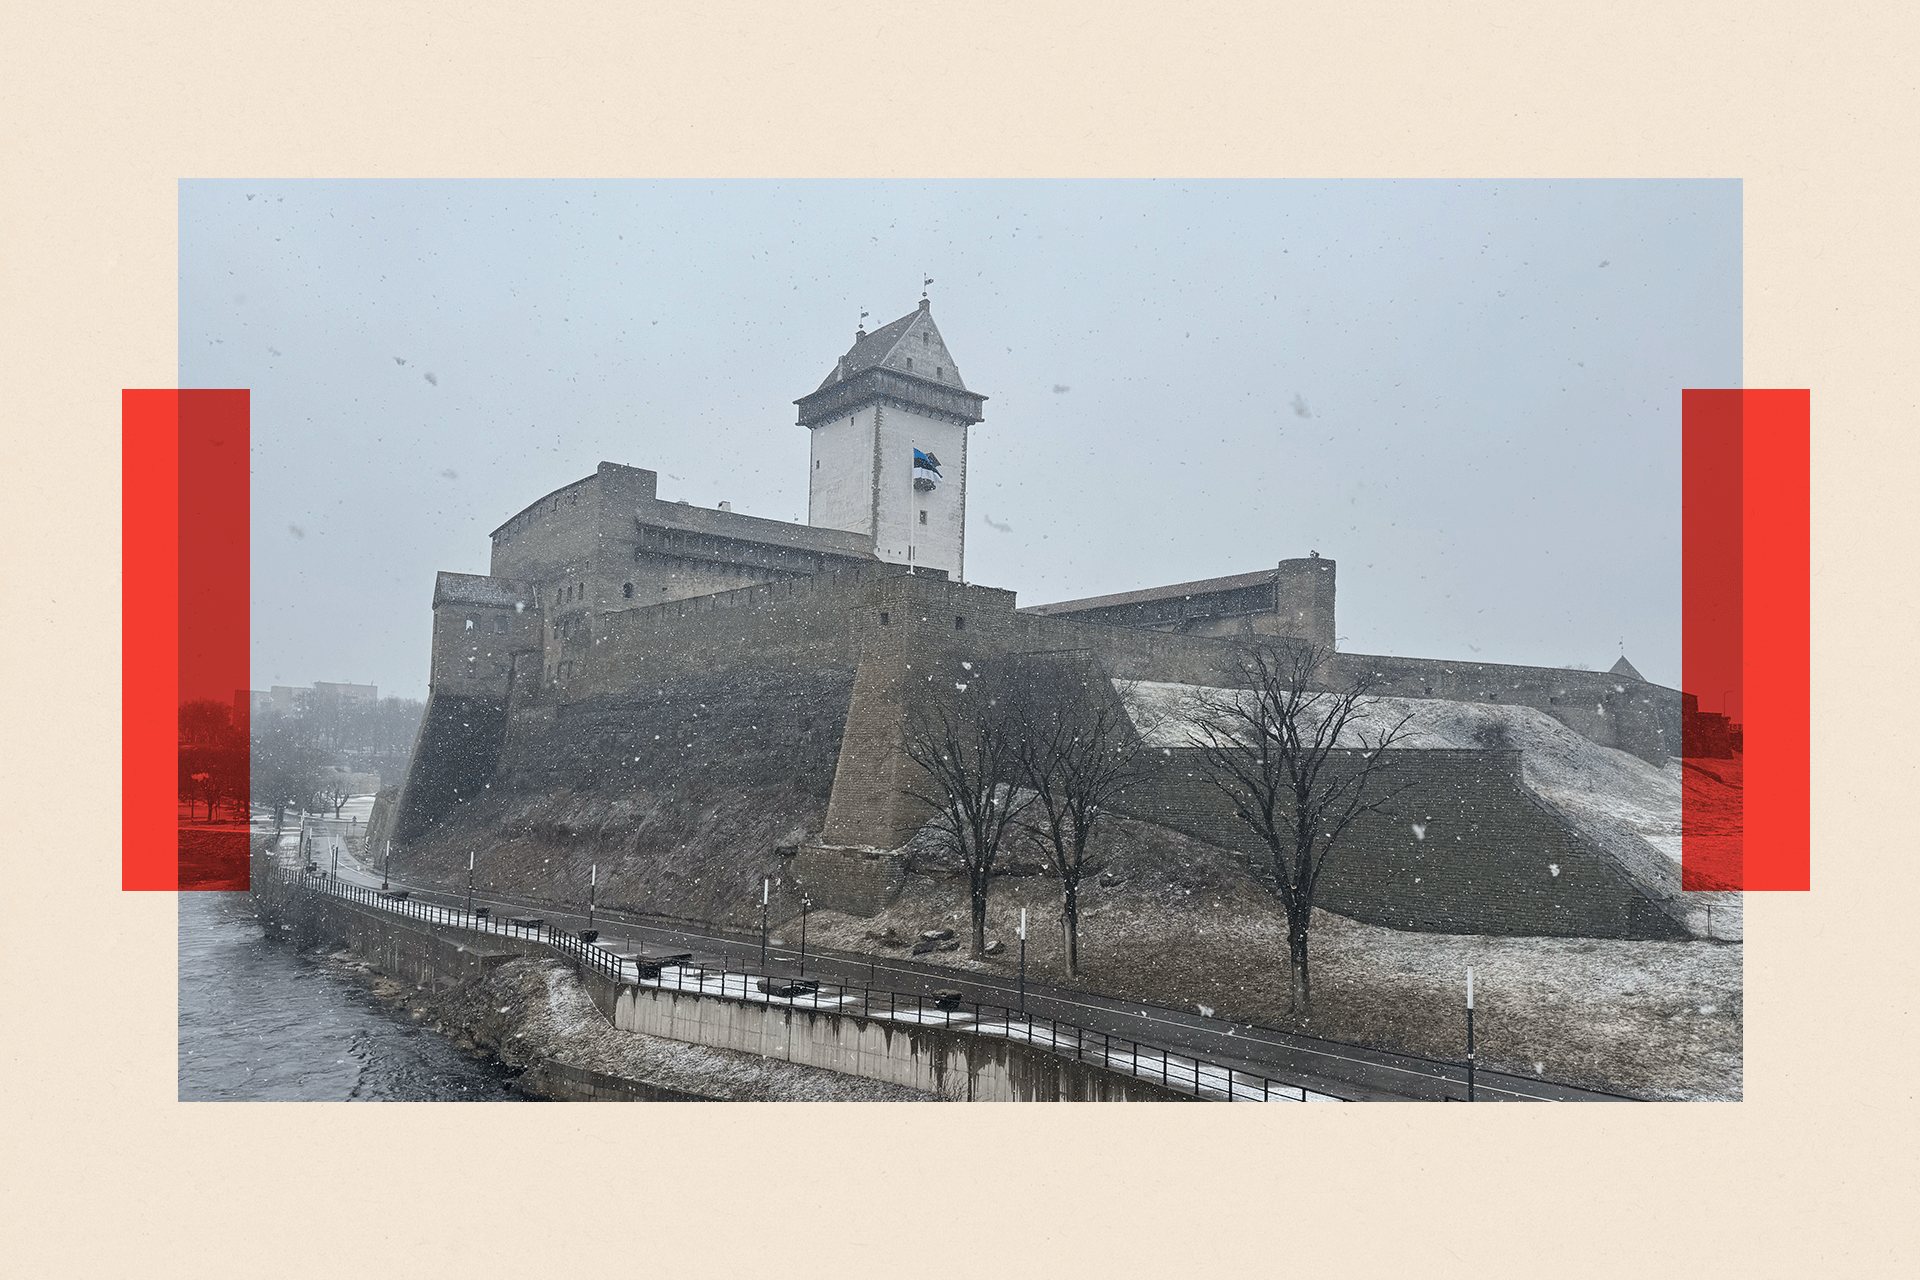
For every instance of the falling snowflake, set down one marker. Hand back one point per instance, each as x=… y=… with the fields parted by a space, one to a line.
x=1554 y=867
x=1419 y=831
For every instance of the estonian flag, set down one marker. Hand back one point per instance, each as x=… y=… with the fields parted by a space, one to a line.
x=926 y=470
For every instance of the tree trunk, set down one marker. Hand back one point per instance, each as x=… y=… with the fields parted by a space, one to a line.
x=1297 y=954
x=1072 y=923
x=979 y=923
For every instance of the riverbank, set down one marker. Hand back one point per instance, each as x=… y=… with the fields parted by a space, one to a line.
x=531 y=1015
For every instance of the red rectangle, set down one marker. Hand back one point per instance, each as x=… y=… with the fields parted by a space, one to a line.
x=1745 y=654
x=184 y=639
x=1777 y=427
x=149 y=638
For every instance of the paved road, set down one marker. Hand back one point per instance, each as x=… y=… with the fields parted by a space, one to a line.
x=1324 y=1066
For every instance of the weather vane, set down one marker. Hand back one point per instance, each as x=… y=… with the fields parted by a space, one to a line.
x=924 y=284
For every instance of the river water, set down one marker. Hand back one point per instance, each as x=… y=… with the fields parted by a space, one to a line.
x=260 y=1021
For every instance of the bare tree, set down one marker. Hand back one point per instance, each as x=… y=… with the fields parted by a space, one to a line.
x=287 y=769
x=964 y=743
x=337 y=789
x=1275 y=750
x=1077 y=749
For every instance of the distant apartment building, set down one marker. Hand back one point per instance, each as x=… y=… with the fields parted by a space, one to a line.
x=285 y=699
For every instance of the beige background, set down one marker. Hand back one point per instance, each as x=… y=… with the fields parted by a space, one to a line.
x=106 y=106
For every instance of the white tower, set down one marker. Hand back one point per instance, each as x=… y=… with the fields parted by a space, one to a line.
x=889 y=457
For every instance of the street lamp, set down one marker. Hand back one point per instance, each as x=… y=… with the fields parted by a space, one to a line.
x=1469 y=1033
x=386 y=865
x=469 y=882
x=593 y=882
x=1023 y=959
x=765 y=884
x=806 y=905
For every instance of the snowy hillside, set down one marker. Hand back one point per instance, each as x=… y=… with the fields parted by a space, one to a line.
x=1624 y=805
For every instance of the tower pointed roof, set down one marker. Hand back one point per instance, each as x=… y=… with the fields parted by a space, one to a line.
x=905 y=361
x=1624 y=668
x=911 y=345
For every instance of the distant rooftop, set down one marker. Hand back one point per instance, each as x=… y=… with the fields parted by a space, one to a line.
x=1179 y=590
x=744 y=528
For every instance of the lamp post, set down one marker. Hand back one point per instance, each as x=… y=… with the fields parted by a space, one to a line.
x=593 y=883
x=1023 y=959
x=386 y=865
x=765 y=884
x=1469 y=1033
x=806 y=905
x=469 y=882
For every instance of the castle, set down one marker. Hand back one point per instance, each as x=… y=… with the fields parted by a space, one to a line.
x=618 y=637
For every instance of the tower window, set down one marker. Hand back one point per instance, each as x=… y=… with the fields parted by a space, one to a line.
x=959 y=624
x=626 y=589
x=939 y=371
x=883 y=618
x=923 y=517
x=909 y=364
x=816 y=464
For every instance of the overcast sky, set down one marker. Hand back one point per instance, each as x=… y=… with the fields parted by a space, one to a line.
x=1466 y=393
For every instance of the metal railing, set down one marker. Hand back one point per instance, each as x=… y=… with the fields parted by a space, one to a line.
x=1190 y=1074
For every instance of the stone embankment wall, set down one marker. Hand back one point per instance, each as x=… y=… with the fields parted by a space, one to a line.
x=562 y=1082
x=951 y=1064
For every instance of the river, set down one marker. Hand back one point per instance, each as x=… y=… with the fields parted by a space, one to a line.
x=262 y=1022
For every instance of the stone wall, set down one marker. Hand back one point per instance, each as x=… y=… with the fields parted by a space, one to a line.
x=563 y=1082
x=1465 y=848
x=859 y=882
x=951 y=1064
x=1614 y=711
x=453 y=761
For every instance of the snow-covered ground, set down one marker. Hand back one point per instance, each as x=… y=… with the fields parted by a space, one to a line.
x=1629 y=808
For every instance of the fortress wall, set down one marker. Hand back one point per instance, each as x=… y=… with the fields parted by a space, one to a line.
x=932 y=627
x=1304 y=600
x=1489 y=857
x=1613 y=711
x=1132 y=655
x=554 y=538
x=802 y=623
x=453 y=760
x=474 y=646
